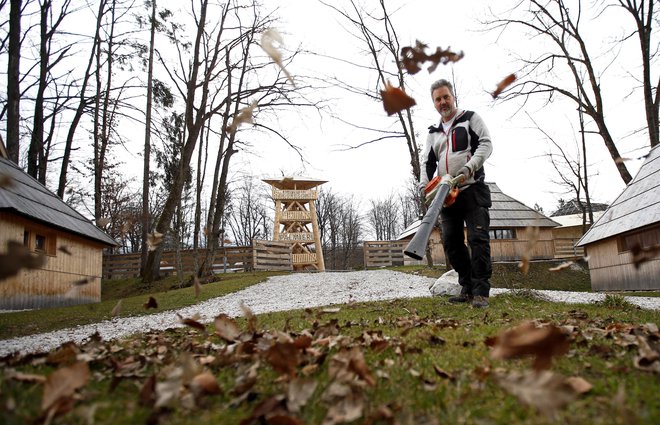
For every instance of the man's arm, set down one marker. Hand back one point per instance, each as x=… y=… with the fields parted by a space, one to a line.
x=482 y=146
x=429 y=163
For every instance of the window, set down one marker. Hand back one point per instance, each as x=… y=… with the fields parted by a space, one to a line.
x=502 y=233
x=647 y=238
x=40 y=240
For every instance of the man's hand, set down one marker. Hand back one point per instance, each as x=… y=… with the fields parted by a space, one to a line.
x=465 y=173
x=420 y=189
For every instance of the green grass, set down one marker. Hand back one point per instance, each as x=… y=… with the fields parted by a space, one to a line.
x=133 y=295
x=421 y=335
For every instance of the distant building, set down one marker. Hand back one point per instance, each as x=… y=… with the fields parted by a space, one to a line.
x=631 y=223
x=572 y=227
x=42 y=222
x=511 y=222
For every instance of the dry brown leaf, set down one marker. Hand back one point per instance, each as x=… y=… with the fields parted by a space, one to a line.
x=562 y=266
x=250 y=317
x=395 y=100
x=188 y=321
x=533 y=234
x=441 y=373
x=151 y=303
x=24 y=377
x=6 y=181
x=299 y=391
x=63 y=383
x=506 y=82
x=83 y=281
x=269 y=38
x=154 y=239
x=64 y=249
x=527 y=339
x=641 y=254
x=244 y=116
x=66 y=353
x=544 y=390
x=345 y=409
x=197 y=287
x=648 y=358
x=579 y=385
x=148 y=392
x=205 y=383
x=283 y=357
x=413 y=57
x=102 y=222
x=116 y=311
x=18 y=257
x=226 y=327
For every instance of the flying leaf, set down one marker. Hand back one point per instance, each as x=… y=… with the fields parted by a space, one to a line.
x=527 y=339
x=250 y=317
x=116 y=310
x=192 y=323
x=19 y=257
x=244 y=116
x=63 y=383
x=562 y=266
x=64 y=249
x=102 y=222
x=6 y=181
x=641 y=254
x=205 y=383
x=533 y=233
x=197 y=287
x=395 y=100
x=269 y=38
x=506 y=82
x=413 y=57
x=151 y=303
x=83 y=281
x=154 y=239
x=283 y=357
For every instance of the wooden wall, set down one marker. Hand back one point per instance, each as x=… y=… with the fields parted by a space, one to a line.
x=383 y=253
x=612 y=270
x=71 y=274
x=565 y=238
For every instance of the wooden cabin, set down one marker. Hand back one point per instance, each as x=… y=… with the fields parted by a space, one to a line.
x=572 y=226
x=511 y=232
x=71 y=245
x=623 y=245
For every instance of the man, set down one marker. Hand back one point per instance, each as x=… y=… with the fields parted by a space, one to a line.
x=459 y=146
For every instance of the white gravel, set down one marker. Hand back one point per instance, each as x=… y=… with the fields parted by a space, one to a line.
x=278 y=293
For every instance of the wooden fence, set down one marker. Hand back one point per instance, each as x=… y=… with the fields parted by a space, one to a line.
x=383 y=253
x=227 y=259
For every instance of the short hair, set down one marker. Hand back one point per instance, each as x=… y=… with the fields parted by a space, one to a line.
x=442 y=83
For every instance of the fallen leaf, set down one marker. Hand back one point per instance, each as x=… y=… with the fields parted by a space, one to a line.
x=395 y=100
x=63 y=383
x=151 y=303
x=268 y=40
x=579 y=385
x=506 y=82
x=299 y=391
x=283 y=357
x=527 y=339
x=544 y=390
x=226 y=327
x=24 y=377
x=205 y=383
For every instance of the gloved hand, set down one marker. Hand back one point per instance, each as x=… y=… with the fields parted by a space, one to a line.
x=420 y=189
x=465 y=172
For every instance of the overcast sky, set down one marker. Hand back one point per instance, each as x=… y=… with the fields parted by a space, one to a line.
x=518 y=163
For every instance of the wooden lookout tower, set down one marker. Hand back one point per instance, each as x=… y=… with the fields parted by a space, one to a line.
x=295 y=213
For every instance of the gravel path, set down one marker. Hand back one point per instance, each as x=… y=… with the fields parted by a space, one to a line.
x=277 y=294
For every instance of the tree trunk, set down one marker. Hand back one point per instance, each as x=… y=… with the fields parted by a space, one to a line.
x=13 y=78
x=147 y=141
x=36 y=150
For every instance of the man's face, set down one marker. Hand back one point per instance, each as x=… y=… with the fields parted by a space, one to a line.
x=444 y=102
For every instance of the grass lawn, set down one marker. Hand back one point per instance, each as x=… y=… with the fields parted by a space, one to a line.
x=414 y=361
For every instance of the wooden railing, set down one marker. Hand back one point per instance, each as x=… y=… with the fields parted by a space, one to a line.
x=228 y=259
x=383 y=253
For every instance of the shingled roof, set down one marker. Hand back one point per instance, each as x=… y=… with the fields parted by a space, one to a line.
x=506 y=212
x=25 y=196
x=573 y=207
x=636 y=207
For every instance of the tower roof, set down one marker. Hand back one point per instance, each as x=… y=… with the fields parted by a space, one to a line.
x=294 y=183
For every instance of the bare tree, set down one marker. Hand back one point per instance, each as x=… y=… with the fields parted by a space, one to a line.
x=383 y=216
x=559 y=23
x=13 y=78
x=341 y=228
x=249 y=217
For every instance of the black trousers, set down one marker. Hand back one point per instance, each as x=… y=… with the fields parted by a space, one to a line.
x=474 y=266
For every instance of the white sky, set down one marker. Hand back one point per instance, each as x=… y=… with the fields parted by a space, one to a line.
x=518 y=163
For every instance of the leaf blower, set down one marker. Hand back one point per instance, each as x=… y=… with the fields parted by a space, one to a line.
x=441 y=191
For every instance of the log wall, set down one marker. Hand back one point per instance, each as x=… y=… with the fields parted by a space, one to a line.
x=612 y=270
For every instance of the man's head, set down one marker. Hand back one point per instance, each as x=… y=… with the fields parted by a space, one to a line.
x=442 y=93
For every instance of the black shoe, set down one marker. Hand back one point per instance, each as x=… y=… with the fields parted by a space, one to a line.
x=480 y=302
x=462 y=298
